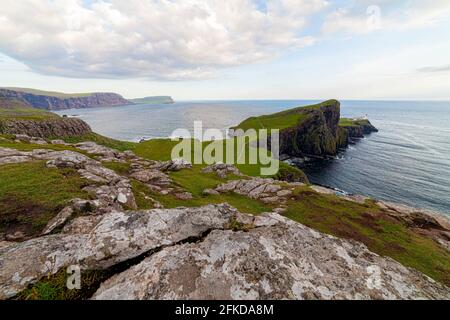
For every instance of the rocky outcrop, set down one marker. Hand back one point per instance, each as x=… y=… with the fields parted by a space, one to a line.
x=173 y=165
x=361 y=129
x=114 y=238
x=276 y=194
x=61 y=127
x=319 y=133
x=211 y=252
x=316 y=134
x=108 y=189
x=222 y=170
x=277 y=259
x=189 y=253
x=52 y=102
x=426 y=222
x=266 y=190
x=59 y=220
x=310 y=131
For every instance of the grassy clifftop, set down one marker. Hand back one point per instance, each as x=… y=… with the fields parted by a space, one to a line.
x=315 y=130
x=17 y=117
x=160 y=149
x=15 y=109
x=282 y=120
x=50 y=100
x=348 y=122
x=49 y=93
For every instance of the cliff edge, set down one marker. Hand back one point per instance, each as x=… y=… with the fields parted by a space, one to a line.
x=315 y=130
x=17 y=117
x=60 y=101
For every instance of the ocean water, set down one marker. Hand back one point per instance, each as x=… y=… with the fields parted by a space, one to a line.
x=408 y=161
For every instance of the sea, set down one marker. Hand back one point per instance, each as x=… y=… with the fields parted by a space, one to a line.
x=407 y=161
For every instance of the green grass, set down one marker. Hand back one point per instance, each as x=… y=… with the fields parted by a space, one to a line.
x=160 y=149
x=31 y=194
x=119 y=167
x=370 y=225
x=26 y=114
x=281 y=120
x=11 y=109
x=155 y=149
x=102 y=140
x=194 y=181
x=55 y=287
x=7 y=142
x=49 y=93
x=271 y=122
x=347 y=122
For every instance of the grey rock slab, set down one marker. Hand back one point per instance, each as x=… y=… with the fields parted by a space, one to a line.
x=152 y=176
x=94 y=148
x=100 y=171
x=117 y=237
x=59 y=142
x=174 y=165
x=8 y=152
x=279 y=260
x=59 y=220
x=14 y=159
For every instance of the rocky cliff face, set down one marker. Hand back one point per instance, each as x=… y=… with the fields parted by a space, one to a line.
x=315 y=135
x=55 y=127
x=319 y=132
x=48 y=102
x=359 y=131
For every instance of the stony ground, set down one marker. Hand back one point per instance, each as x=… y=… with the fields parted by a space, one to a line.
x=204 y=252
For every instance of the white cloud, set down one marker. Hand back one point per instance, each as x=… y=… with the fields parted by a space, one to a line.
x=364 y=17
x=159 y=39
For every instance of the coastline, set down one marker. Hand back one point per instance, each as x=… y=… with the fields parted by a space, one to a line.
x=196 y=195
x=154 y=122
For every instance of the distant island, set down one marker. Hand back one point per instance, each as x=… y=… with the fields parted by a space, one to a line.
x=50 y=100
x=153 y=100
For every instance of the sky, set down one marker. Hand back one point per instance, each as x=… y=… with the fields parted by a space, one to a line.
x=233 y=49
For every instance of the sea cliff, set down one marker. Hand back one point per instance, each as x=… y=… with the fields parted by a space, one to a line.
x=316 y=130
x=57 y=101
x=16 y=117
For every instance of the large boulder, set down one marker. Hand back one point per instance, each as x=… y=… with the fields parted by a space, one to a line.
x=278 y=259
x=222 y=170
x=174 y=165
x=152 y=177
x=96 y=149
x=116 y=237
x=266 y=190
